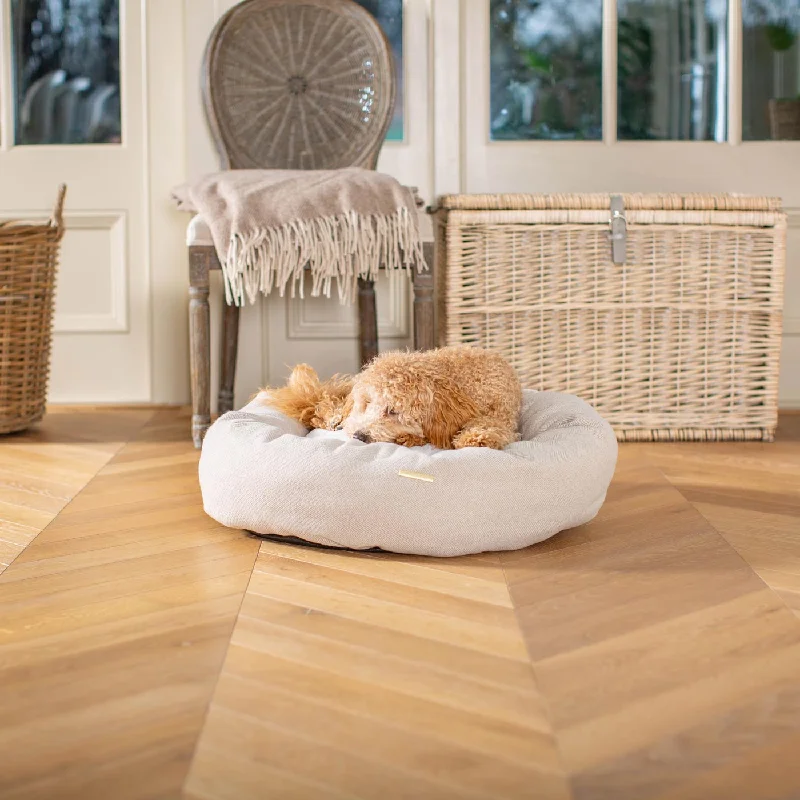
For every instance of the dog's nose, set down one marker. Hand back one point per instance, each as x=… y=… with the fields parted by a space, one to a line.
x=362 y=436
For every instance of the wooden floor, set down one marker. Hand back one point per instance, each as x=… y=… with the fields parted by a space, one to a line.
x=147 y=652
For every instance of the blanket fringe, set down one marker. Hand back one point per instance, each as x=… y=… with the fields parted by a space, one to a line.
x=339 y=248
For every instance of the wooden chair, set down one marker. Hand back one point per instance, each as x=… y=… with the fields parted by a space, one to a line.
x=291 y=84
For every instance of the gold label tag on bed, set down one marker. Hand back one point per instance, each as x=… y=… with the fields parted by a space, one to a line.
x=417 y=476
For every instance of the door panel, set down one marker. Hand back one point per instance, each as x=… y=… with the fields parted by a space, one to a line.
x=101 y=343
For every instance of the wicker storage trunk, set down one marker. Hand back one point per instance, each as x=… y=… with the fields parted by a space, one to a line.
x=670 y=327
x=28 y=261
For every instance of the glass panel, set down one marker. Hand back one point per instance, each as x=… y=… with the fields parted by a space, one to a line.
x=771 y=69
x=66 y=71
x=672 y=69
x=546 y=69
x=389 y=14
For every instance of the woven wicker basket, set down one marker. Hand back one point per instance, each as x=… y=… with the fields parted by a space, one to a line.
x=679 y=340
x=28 y=261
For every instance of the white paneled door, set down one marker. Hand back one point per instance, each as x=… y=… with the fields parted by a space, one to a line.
x=77 y=95
x=72 y=113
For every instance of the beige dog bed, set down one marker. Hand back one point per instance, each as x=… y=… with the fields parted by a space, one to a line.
x=265 y=473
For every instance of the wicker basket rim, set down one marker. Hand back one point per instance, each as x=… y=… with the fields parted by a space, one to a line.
x=15 y=227
x=20 y=228
x=596 y=201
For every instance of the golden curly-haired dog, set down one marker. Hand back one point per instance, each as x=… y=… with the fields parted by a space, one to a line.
x=453 y=397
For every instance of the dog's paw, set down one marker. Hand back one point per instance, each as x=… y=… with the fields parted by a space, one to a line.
x=476 y=435
x=477 y=439
x=410 y=440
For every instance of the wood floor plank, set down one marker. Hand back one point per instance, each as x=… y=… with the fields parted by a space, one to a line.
x=228 y=776
x=773 y=770
x=658 y=650
x=490 y=668
x=377 y=668
x=110 y=650
x=436 y=760
x=751 y=497
x=356 y=775
x=413 y=574
x=485 y=628
x=417 y=712
x=375 y=686
x=43 y=468
x=31 y=566
x=691 y=755
x=151 y=772
x=195 y=557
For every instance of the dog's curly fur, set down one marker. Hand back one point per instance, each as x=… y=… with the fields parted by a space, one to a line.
x=453 y=397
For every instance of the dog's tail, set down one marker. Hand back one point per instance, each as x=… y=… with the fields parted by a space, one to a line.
x=314 y=403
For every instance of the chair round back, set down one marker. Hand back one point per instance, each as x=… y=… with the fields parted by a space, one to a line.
x=298 y=84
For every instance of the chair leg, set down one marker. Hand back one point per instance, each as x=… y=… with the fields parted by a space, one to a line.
x=367 y=321
x=230 y=346
x=424 y=324
x=199 y=343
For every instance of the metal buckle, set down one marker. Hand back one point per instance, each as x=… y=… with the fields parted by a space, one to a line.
x=619 y=229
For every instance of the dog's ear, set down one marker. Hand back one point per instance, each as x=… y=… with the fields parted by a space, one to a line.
x=347 y=408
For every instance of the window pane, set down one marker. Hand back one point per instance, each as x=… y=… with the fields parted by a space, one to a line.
x=672 y=69
x=771 y=69
x=389 y=14
x=546 y=69
x=66 y=71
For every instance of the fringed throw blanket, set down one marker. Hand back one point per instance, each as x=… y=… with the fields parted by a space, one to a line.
x=268 y=225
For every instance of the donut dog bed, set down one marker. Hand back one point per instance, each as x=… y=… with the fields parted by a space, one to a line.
x=261 y=471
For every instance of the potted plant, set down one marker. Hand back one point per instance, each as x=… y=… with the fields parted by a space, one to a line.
x=784 y=112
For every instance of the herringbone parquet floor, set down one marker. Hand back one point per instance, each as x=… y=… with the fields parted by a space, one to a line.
x=147 y=652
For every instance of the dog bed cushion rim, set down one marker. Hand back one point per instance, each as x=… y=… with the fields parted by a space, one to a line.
x=264 y=472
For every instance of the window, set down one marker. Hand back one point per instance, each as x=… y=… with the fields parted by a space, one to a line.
x=66 y=71
x=389 y=14
x=673 y=69
x=770 y=69
x=672 y=75
x=546 y=69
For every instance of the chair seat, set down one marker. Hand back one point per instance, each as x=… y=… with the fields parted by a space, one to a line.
x=198 y=234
